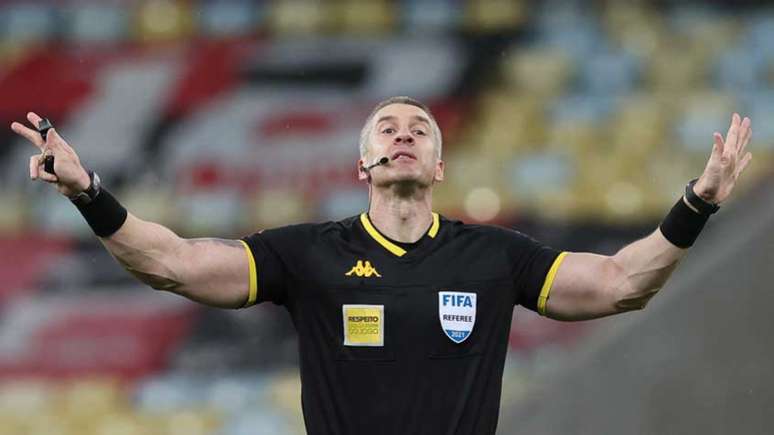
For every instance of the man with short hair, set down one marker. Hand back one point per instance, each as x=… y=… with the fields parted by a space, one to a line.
x=402 y=315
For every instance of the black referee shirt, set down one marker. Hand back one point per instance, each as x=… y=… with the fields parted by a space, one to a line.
x=400 y=340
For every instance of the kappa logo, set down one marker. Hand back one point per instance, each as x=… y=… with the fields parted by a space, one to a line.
x=363 y=269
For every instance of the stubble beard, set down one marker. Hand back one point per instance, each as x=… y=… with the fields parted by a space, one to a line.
x=406 y=185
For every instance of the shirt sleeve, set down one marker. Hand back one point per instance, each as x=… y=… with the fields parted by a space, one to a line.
x=268 y=252
x=534 y=268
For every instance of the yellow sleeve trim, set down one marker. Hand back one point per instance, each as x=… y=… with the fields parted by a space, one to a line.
x=546 y=289
x=253 y=295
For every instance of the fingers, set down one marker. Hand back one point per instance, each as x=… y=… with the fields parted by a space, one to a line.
x=732 y=136
x=34 y=166
x=745 y=139
x=31 y=135
x=743 y=164
x=34 y=119
x=48 y=178
x=717 y=148
x=54 y=141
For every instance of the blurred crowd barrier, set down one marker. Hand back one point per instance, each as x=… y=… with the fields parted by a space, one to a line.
x=219 y=118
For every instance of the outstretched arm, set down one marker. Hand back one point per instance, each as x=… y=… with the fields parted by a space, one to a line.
x=588 y=286
x=211 y=271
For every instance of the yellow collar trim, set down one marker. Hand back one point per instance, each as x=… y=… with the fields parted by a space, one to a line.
x=392 y=247
x=434 y=227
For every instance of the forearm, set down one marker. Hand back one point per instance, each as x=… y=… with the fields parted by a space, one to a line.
x=148 y=251
x=588 y=286
x=207 y=270
x=641 y=269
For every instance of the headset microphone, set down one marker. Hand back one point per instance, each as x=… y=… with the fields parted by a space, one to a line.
x=382 y=161
x=367 y=169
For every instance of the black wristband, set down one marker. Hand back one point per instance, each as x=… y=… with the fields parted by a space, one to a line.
x=105 y=215
x=697 y=202
x=683 y=225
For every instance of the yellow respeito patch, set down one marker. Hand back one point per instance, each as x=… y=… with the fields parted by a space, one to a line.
x=363 y=325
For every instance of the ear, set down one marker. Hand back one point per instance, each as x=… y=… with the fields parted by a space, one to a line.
x=438 y=177
x=362 y=174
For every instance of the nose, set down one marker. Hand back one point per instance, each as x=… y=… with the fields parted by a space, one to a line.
x=404 y=138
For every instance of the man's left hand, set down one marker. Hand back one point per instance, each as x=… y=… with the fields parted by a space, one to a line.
x=726 y=163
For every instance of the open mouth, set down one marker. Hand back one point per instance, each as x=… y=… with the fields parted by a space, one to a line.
x=403 y=155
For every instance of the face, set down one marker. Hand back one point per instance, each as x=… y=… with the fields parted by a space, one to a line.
x=402 y=133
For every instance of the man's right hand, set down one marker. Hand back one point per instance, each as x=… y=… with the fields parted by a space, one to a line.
x=215 y=272
x=71 y=178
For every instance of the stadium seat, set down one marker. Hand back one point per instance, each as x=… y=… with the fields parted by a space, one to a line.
x=297 y=17
x=674 y=67
x=13 y=219
x=151 y=202
x=702 y=114
x=89 y=397
x=358 y=17
x=270 y=208
x=495 y=15
x=28 y=22
x=430 y=16
x=25 y=398
x=163 y=20
x=536 y=179
x=582 y=108
x=609 y=72
x=758 y=34
x=98 y=24
x=634 y=27
x=710 y=33
x=536 y=71
x=191 y=422
x=739 y=70
x=639 y=124
x=562 y=26
x=761 y=109
x=507 y=123
x=228 y=18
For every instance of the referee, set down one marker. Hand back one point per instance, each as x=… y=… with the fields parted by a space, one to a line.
x=402 y=314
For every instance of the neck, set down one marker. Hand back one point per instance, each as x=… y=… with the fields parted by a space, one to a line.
x=402 y=213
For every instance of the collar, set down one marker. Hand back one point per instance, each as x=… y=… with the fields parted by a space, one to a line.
x=388 y=245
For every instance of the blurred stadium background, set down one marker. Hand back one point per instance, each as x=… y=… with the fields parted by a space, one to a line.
x=576 y=122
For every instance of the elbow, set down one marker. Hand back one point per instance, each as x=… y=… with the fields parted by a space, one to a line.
x=165 y=285
x=631 y=299
x=628 y=294
x=157 y=281
x=153 y=274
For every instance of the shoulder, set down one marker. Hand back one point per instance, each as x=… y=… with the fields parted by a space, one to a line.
x=489 y=233
x=308 y=232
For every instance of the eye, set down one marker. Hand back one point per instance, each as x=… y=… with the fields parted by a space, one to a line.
x=388 y=130
x=420 y=132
